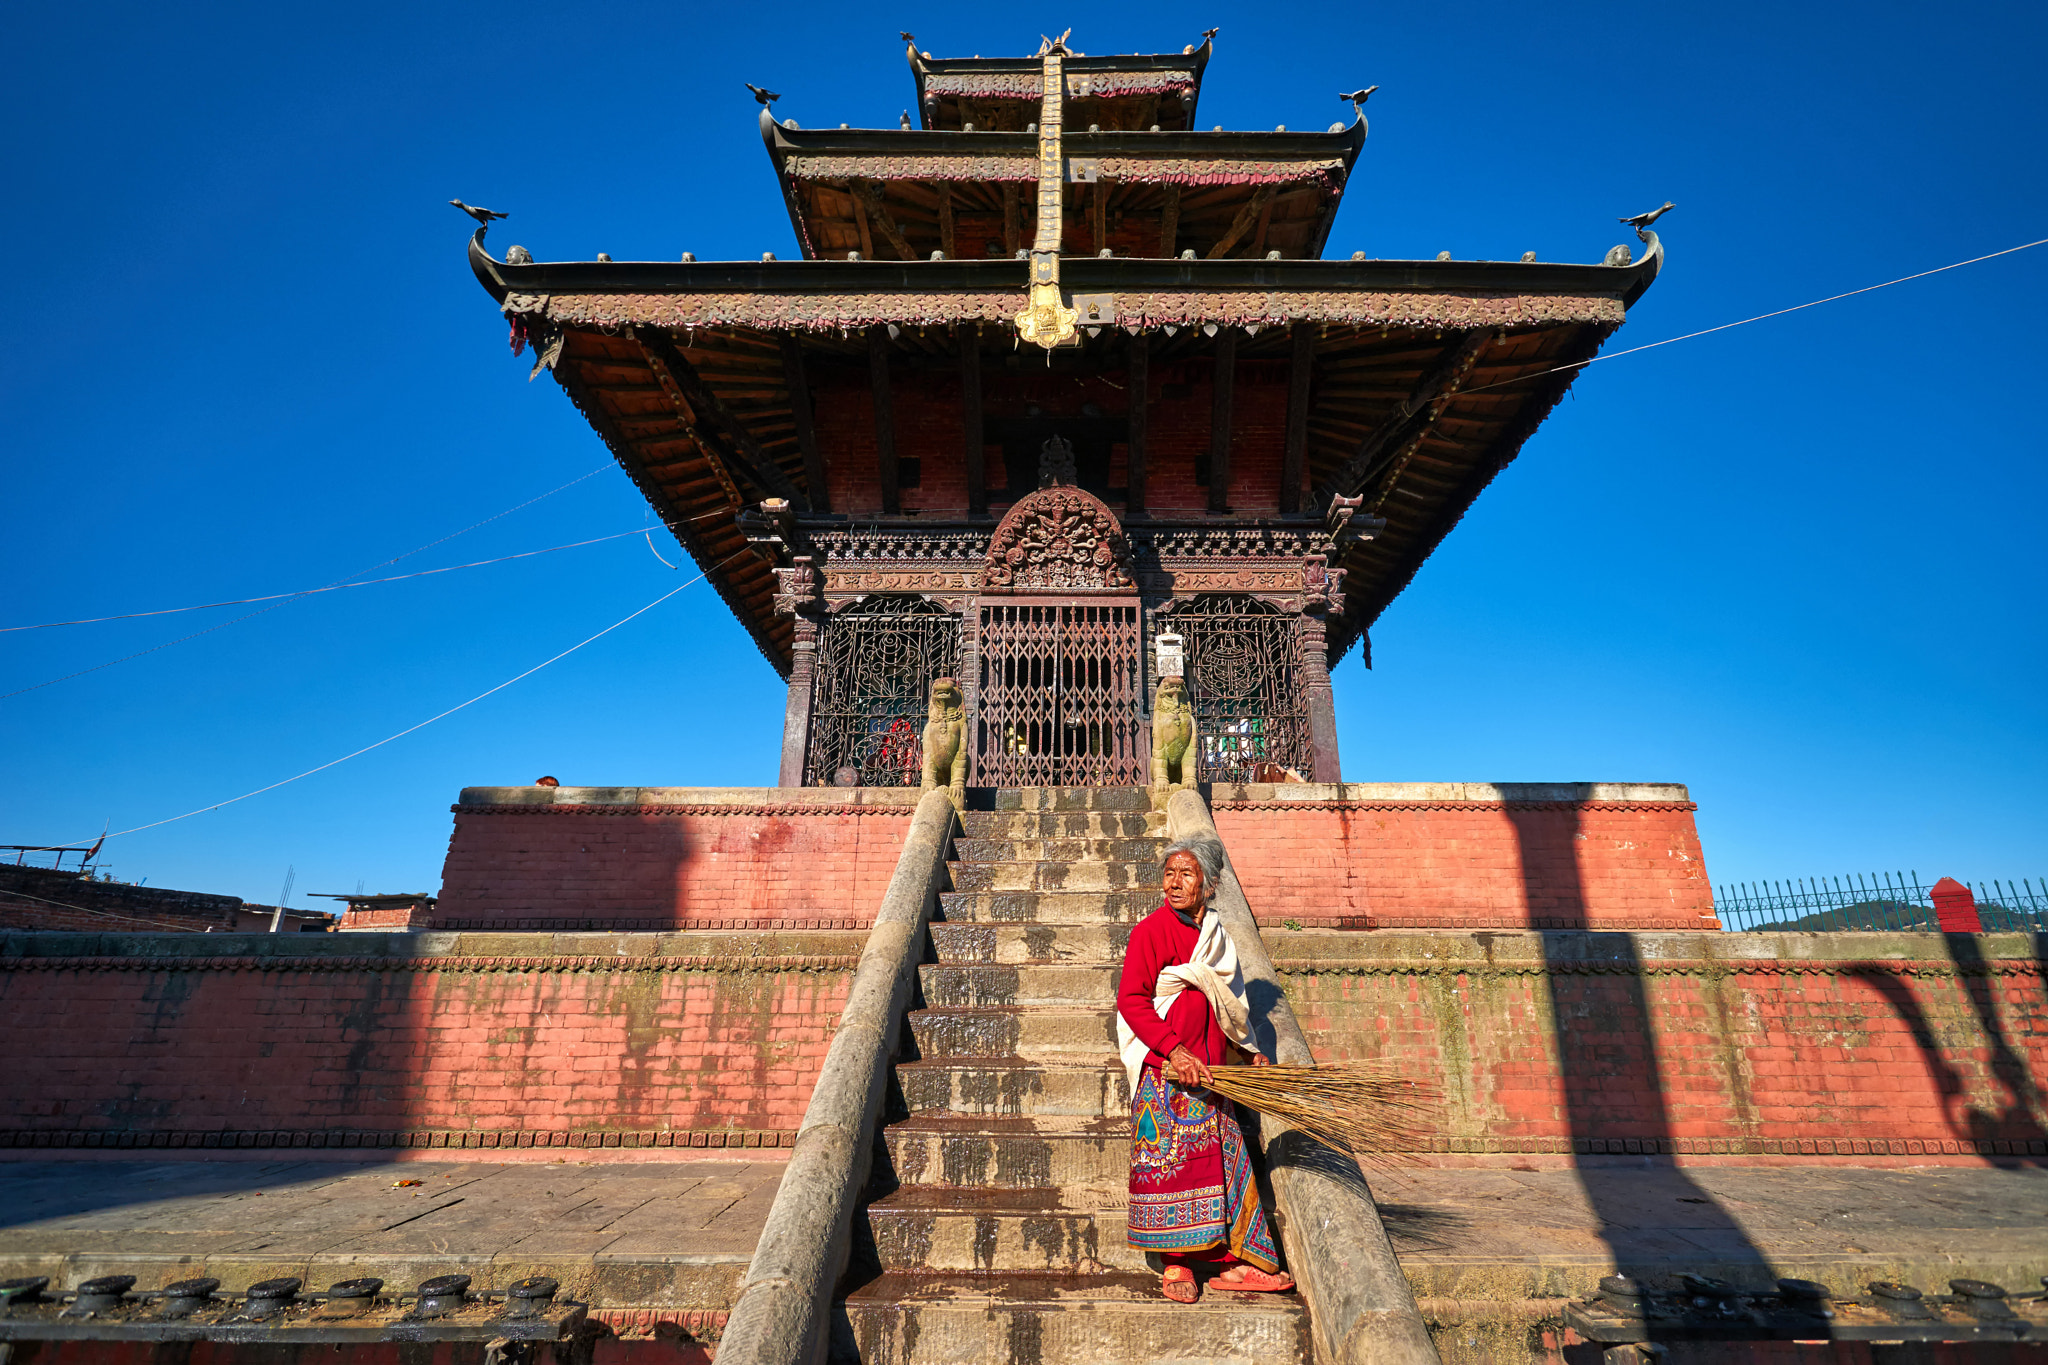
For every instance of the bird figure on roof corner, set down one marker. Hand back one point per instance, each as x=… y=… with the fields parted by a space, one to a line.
x=904 y=122
x=764 y=98
x=1641 y=222
x=1358 y=97
x=483 y=216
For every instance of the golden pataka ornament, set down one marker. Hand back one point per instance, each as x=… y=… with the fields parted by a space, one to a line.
x=1046 y=319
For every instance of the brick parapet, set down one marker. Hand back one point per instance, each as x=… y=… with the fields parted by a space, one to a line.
x=1890 y=1048
x=1458 y=855
x=671 y=857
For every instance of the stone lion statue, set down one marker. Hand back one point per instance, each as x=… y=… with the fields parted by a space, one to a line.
x=1173 y=735
x=945 y=732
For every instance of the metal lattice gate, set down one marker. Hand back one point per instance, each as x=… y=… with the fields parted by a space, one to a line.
x=876 y=664
x=1250 y=715
x=1060 y=694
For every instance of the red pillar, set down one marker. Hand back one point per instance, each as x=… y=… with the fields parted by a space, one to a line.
x=1955 y=909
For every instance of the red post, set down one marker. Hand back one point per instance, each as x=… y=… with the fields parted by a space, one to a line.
x=1955 y=909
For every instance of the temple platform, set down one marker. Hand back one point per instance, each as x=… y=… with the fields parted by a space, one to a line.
x=1489 y=1252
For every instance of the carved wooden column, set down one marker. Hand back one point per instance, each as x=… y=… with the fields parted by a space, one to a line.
x=1322 y=593
x=799 y=596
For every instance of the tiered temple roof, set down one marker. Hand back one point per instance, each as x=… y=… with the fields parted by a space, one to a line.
x=1236 y=380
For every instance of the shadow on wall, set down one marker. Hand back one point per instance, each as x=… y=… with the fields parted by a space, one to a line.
x=1614 y=1087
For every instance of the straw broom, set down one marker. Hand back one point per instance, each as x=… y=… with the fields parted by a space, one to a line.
x=1366 y=1108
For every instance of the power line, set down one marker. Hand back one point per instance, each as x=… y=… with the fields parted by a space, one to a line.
x=137 y=829
x=52 y=682
x=1760 y=317
x=333 y=587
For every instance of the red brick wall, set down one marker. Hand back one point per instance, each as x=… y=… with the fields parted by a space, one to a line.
x=1845 y=1047
x=650 y=858
x=507 y=1040
x=1362 y=856
x=44 y=898
x=927 y=415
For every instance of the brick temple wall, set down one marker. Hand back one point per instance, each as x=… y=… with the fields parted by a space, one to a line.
x=416 y=1041
x=1862 y=1049
x=1381 y=855
x=671 y=857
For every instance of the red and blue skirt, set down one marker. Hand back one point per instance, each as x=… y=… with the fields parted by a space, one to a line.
x=1191 y=1177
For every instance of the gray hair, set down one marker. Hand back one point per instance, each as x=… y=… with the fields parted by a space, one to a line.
x=1208 y=855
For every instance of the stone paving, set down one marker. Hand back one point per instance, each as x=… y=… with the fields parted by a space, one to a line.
x=672 y=1233
x=1508 y=1234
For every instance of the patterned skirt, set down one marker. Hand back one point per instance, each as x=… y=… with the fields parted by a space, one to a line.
x=1191 y=1178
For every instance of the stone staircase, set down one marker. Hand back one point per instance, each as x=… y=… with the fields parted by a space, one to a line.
x=997 y=1210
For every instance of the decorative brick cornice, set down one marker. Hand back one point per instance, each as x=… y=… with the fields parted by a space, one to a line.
x=587 y=924
x=1706 y=967
x=899 y=812
x=415 y=1139
x=725 y=963
x=703 y=1324
x=1838 y=1146
x=1473 y=807
x=1452 y=922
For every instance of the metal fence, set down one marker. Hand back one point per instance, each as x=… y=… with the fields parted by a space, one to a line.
x=1883 y=900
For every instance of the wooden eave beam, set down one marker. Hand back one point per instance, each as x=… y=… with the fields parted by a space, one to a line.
x=798 y=382
x=971 y=431
x=879 y=216
x=1169 y=221
x=885 y=419
x=700 y=406
x=1295 y=453
x=1139 y=379
x=1249 y=214
x=1416 y=413
x=1220 y=414
x=683 y=527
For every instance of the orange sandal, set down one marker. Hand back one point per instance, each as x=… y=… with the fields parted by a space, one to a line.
x=1179 y=1278
x=1255 y=1280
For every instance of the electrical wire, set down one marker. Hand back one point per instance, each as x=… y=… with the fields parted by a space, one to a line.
x=52 y=682
x=83 y=910
x=331 y=763
x=1760 y=317
x=333 y=587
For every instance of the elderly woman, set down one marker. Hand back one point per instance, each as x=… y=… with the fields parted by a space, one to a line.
x=1181 y=1010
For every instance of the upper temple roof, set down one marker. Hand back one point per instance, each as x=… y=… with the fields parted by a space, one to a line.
x=1001 y=94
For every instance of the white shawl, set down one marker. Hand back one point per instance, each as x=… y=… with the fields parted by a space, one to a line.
x=1211 y=969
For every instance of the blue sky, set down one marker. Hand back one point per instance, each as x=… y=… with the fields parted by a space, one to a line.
x=1798 y=565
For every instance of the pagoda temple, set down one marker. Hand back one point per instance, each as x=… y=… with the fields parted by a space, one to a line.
x=1061 y=399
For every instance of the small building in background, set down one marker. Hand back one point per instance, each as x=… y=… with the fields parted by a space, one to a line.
x=74 y=899
x=398 y=912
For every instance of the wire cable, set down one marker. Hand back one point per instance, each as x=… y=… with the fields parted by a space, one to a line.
x=1760 y=317
x=293 y=597
x=331 y=763
x=332 y=587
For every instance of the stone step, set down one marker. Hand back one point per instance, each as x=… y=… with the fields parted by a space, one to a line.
x=1053 y=876
x=921 y=1229
x=1049 y=907
x=1062 y=1320
x=1128 y=800
x=1026 y=987
x=1015 y=1089
x=1047 y=1035
x=1030 y=942
x=1041 y=1152
x=1078 y=824
x=1138 y=850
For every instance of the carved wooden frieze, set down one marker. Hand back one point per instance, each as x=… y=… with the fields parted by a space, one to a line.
x=922 y=580
x=1058 y=540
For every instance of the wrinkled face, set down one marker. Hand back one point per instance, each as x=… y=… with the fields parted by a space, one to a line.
x=1182 y=880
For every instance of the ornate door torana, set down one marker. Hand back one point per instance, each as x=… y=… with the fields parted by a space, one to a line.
x=1059 y=691
x=1061 y=694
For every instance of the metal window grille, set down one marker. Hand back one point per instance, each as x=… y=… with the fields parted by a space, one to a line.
x=876 y=665
x=1884 y=900
x=1244 y=683
x=1058 y=701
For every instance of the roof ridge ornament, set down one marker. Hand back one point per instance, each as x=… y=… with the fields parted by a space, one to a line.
x=1046 y=319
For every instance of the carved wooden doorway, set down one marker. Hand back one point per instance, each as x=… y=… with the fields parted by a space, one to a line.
x=1059 y=689
x=1060 y=699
